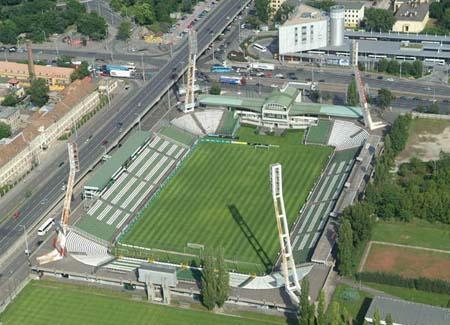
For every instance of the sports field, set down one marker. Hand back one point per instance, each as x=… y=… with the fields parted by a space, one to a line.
x=50 y=302
x=220 y=197
x=408 y=262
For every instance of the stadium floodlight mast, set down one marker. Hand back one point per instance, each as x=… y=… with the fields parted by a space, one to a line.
x=62 y=226
x=287 y=258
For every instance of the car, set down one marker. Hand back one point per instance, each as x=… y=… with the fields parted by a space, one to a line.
x=380 y=77
x=60 y=164
x=12 y=49
x=308 y=79
x=427 y=89
x=390 y=79
x=260 y=74
x=2 y=49
x=279 y=75
x=321 y=80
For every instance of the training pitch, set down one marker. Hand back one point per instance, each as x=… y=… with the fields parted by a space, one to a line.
x=50 y=302
x=220 y=197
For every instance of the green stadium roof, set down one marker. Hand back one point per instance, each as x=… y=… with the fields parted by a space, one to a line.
x=284 y=98
x=101 y=176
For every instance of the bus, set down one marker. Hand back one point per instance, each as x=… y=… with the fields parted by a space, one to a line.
x=230 y=80
x=259 y=47
x=434 y=61
x=316 y=52
x=262 y=66
x=46 y=226
x=377 y=56
x=217 y=68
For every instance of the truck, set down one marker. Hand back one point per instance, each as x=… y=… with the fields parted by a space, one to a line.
x=230 y=80
x=125 y=67
x=221 y=69
x=262 y=66
x=120 y=73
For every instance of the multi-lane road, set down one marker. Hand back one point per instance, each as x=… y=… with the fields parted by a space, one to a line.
x=134 y=109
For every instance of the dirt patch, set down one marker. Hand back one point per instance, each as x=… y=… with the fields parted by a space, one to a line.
x=408 y=262
x=427 y=138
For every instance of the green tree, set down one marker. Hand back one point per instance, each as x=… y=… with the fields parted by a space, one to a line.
x=8 y=32
x=124 y=31
x=384 y=98
x=215 y=89
x=282 y=14
x=383 y=65
x=315 y=95
x=262 y=10
x=143 y=13
x=393 y=67
x=81 y=72
x=92 y=25
x=10 y=100
x=209 y=282
x=352 y=94
x=321 y=318
x=304 y=306
x=345 y=248
x=434 y=108
x=223 y=279
x=335 y=313
x=346 y=316
x=377 y=317
x=378 y=20
x=5 y=130
x=389 y=320
x=38 y=92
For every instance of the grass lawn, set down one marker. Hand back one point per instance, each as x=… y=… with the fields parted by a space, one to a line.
x=408 y=262
x=247 y=133
x=424 y=297
x=353 y=300
x=50 y=302
x=220 y=197
x=417 y=233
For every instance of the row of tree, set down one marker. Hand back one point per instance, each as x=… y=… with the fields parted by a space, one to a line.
x=40 y=19
x=378 y=20
x=215 y=280
x=440 y=10
x=413 y=69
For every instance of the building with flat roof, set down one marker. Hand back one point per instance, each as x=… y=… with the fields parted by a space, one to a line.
x=55 y=76
x=407 y=313
x=306 y=29
x=411 y=17
x=354 y=13
x=281 y=109
x=10 y=116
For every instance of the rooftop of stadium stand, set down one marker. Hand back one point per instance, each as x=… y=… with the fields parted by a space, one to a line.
x=286 y=99
x=101 y=176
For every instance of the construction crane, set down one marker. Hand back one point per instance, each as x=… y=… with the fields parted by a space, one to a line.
x=287 y=258
x=62 y=226
x=368 y=122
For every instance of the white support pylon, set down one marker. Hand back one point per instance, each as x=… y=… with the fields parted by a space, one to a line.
x=189 y=103
x=287 y=258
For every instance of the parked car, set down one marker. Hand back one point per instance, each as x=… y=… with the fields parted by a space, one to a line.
x=12 y=49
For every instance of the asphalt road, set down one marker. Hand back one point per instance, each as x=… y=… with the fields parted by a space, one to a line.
x=133 y=109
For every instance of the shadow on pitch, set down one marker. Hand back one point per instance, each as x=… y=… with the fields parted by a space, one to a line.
x=248 y=233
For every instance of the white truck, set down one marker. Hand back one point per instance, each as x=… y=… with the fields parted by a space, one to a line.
x=120 y=73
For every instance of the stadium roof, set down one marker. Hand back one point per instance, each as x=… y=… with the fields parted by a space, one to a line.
x=282 y=98
x=399 y=36
x=405 y=312
x=256 y=104
x=101 y=176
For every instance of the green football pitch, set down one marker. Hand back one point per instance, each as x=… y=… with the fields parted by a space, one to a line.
x=220 y=197
x=50 y=302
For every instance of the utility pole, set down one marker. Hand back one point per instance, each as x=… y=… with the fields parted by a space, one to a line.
x=143 y=68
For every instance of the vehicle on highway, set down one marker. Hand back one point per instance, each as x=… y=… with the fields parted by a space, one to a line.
x=390 y=79
x=230 y=80
x=2 y=49
x=46 y=226
x=12 y=49
x=261 y=66
x=279 y=75
x=259 y=47
x=217 y=68
x=292 y=76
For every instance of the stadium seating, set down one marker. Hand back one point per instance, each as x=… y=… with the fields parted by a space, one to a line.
x=127 y=194
x=209 y=119
x=346 y=135
x=86 y=250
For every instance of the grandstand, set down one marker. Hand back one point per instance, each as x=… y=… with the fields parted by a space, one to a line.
x=320 y=133
x=321 y=202
x=127 y=191
x=346 y=135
